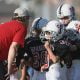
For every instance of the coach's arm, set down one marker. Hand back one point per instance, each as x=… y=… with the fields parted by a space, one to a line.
x=11 y=55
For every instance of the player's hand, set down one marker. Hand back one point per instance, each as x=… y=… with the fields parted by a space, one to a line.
x=52 y=56
x=47 y=45
x=44 y=67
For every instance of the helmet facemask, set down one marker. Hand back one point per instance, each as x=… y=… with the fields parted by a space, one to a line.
x=52 y=32
x=51 y=35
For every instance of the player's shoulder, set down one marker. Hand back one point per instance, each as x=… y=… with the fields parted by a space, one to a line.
x=73 y=24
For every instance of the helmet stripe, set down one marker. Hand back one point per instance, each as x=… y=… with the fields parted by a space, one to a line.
x=60 y=9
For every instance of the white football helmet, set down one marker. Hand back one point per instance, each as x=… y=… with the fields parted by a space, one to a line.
x=54 y=28
x=66 y=10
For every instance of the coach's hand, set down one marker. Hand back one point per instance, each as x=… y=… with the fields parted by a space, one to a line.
x=13 y=68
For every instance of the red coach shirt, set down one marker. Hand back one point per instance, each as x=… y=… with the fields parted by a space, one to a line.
x=13 y=31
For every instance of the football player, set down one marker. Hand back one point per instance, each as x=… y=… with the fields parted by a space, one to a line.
x=57 y=48
x=66 y=15
x=34 y=49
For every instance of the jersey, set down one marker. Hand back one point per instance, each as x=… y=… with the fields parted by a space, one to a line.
x=61 y=48
x=13 y=31
x=36 y=51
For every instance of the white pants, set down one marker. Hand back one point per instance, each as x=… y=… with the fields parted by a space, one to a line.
x=74 y=71
x=56 y=72
x=14 y=76
x=36 y=75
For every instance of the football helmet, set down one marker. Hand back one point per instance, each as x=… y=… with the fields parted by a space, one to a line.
x=53 y=29
x=38 y=25
x=66 y=10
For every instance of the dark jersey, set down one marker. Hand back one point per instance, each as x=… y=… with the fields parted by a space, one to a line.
x=61 y=48
x=76 y=54
x=72 y=37
x=34 y=48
